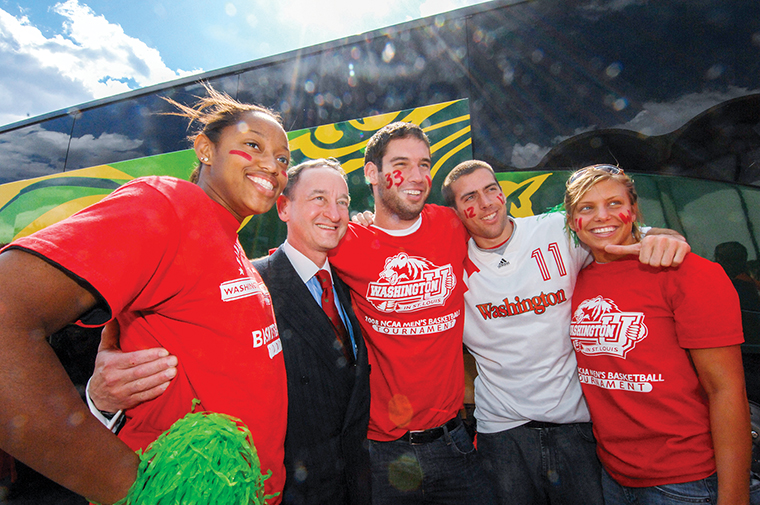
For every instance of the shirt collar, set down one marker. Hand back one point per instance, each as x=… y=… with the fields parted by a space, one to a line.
x=405 y=231
x=304 y=267
x=503 y=247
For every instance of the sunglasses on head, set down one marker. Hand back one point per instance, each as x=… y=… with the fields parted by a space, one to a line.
x=610 y=169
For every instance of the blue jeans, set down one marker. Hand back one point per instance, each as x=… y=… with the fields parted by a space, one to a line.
x=444 y=471
x=539 y=466
x=698 y=491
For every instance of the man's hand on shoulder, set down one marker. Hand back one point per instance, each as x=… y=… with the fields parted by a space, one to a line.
x=123 y=380
x=365 y=218
x=659 y=248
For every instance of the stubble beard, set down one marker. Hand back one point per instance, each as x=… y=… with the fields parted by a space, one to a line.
x=404 y=211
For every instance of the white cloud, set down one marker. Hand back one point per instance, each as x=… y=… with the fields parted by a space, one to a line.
x=528 y=155
x=87 y=149
x=91 y=58
x=658 y=118
x=655 y=118
x=25 y=151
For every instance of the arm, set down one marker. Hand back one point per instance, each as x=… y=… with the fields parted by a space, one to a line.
x=43 y=421
x=123 y=380
x=660 y=247
x=721 y=374
x=666 y=231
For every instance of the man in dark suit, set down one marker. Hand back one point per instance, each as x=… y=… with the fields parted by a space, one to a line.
x=326 y=455
x=326 y=451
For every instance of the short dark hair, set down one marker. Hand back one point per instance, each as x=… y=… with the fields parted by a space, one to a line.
x=464 y=168
x=732 y=256
x=378 y=143
x=294 y=173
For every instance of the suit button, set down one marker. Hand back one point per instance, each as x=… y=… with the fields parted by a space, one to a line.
x=304 y=380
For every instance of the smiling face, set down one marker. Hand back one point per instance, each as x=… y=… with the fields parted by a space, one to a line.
x=403 y=183
x=247 y=168
x=604 y=215
x=316 y=212
x=481 y=205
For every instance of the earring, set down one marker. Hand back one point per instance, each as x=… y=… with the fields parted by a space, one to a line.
x=204 y=159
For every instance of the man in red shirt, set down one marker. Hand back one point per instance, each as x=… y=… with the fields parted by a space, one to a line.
x=405 y=274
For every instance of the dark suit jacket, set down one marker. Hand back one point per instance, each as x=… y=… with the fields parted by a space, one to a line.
x=326 y=451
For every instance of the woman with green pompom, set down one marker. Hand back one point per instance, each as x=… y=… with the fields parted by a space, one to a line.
x=161 y=256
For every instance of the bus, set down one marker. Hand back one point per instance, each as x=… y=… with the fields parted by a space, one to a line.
x=667 y=90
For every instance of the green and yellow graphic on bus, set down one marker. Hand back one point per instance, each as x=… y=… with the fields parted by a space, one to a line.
x=32 y=204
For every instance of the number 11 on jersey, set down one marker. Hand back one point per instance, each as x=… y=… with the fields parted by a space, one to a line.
x=538 y=255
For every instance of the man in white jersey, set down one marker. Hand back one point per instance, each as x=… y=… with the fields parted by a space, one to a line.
x=534 y=434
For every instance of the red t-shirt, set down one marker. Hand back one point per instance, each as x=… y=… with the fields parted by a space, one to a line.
x=166 y=260
x=631 y=328
x=408 y=294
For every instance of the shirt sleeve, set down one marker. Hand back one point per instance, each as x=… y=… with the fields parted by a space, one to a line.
x=112 y=423
x=458 y=230
x=705 y=305
x=341 y=255
x=115 y=245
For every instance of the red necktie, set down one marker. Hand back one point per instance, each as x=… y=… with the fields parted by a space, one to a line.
x=328 y=305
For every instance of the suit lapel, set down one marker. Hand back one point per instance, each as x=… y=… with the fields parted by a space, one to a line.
x=359 y=401
x=298 y=309
x=344 y=295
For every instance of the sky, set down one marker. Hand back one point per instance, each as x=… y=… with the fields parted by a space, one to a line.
x=54 y=55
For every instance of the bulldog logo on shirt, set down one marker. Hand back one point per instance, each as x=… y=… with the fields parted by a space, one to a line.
x=599 y=327
x=409 y=283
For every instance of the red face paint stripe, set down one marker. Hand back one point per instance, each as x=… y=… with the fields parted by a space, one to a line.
x=501 y=198
x=578 y=224
x=469 y=212
x=429 y=181
x=242 y=153
x=398 y=177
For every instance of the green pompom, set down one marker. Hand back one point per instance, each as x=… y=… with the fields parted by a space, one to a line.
x=203 y=458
